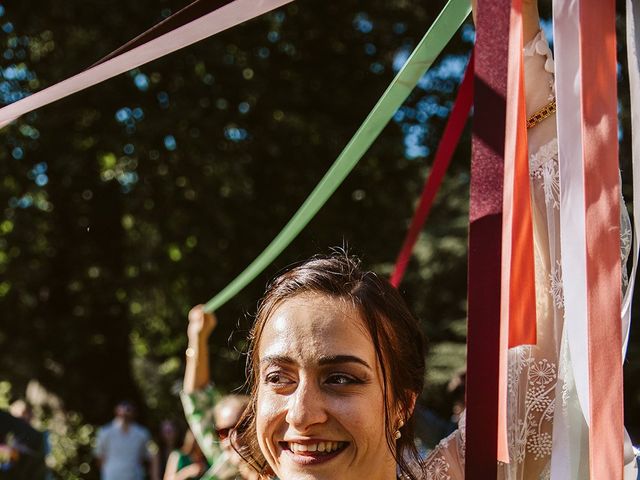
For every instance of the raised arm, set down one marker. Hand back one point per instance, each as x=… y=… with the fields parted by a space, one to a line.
x=196 y=374
x=199 y=397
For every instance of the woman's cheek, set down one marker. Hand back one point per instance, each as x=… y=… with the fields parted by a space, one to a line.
x=268 y=423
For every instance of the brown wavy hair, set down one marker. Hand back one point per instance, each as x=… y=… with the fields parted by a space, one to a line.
x=395 y=333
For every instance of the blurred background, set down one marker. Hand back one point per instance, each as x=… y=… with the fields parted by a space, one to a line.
x=124 y=205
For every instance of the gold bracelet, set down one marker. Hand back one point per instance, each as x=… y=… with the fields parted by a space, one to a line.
x=545 y=112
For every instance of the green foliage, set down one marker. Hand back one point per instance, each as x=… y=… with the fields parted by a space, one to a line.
x=125 y=204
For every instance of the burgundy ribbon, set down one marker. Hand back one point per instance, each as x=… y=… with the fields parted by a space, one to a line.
x=448 y=144
x=485 y=239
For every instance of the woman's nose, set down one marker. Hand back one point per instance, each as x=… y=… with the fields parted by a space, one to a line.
x=306 y=407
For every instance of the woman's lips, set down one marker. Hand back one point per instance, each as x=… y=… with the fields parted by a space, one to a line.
x=313 y=453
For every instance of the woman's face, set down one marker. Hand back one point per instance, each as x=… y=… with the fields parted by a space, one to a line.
x=320 y=406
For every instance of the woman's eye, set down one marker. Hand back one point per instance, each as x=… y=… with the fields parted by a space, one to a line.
x=276 y=378
x=342 y=379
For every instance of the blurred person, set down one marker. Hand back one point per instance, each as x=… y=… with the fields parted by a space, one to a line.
x=211 y=415
x=168 y=442
x=456 y=388
x=187 y=463
x=21 y=409
x=23 y=449
x=123 y=447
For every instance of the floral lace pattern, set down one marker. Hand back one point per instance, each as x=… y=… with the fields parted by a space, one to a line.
x=548 y=172
x=626 y=238
x=530 y=431
x=555 y=287
x=438 y=470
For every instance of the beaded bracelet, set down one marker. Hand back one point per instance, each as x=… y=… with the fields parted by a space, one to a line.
x=545 y=112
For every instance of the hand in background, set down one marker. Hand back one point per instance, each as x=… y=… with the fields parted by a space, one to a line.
x=201 y=324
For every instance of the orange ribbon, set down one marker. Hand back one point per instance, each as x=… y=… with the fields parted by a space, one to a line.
x=517 y=221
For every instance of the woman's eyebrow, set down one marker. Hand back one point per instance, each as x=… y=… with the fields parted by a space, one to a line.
x=276 y=359
x=327 y=360
x=334 y=359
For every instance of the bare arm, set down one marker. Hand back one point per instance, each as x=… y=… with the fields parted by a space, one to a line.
x=530 y=19
x=171 y=467
x=196 y=374
x=190 y=471
x=154 y=467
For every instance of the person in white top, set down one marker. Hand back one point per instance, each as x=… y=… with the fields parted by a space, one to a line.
x=123 y=447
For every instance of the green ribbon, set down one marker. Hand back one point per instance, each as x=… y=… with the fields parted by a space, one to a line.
x=437 y=37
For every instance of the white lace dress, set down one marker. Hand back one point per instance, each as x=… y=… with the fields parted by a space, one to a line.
x=535 y=396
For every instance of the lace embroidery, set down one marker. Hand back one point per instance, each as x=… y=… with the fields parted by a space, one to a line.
x=555 y=287
x=462 y=439
x=545 y=154
x=544 y=165
x=626 y=237
x=542 y=372
x=551 y=183
x=546 y=473
x=540 y=445
x=565 y=396
x=531 y=432
x=438 y=469
x=565 y=374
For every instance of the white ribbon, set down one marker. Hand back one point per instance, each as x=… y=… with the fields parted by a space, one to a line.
x=572 y=200
x=221 y=19
x=633 y=47
x=570 y=432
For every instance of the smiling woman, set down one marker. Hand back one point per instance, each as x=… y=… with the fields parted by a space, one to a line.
x=336 y=364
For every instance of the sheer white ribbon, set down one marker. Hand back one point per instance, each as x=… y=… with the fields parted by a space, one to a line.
x=221 y=19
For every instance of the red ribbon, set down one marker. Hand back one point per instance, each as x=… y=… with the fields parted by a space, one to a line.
x=446 y=148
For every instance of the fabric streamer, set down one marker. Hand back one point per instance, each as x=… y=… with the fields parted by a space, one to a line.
x=590 y=243
x=518 y=267
x=446 y=148
x=204 y=18
x=437 y=37
x=486 y=335
x=191 y=12
x=214 y=22
x=633 y=60
x=602 y=221
x=569 y=457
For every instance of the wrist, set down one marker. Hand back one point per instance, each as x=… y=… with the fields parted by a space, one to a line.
x=198 y=339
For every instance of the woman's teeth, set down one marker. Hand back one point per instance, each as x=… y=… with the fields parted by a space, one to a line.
x=325 y=447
